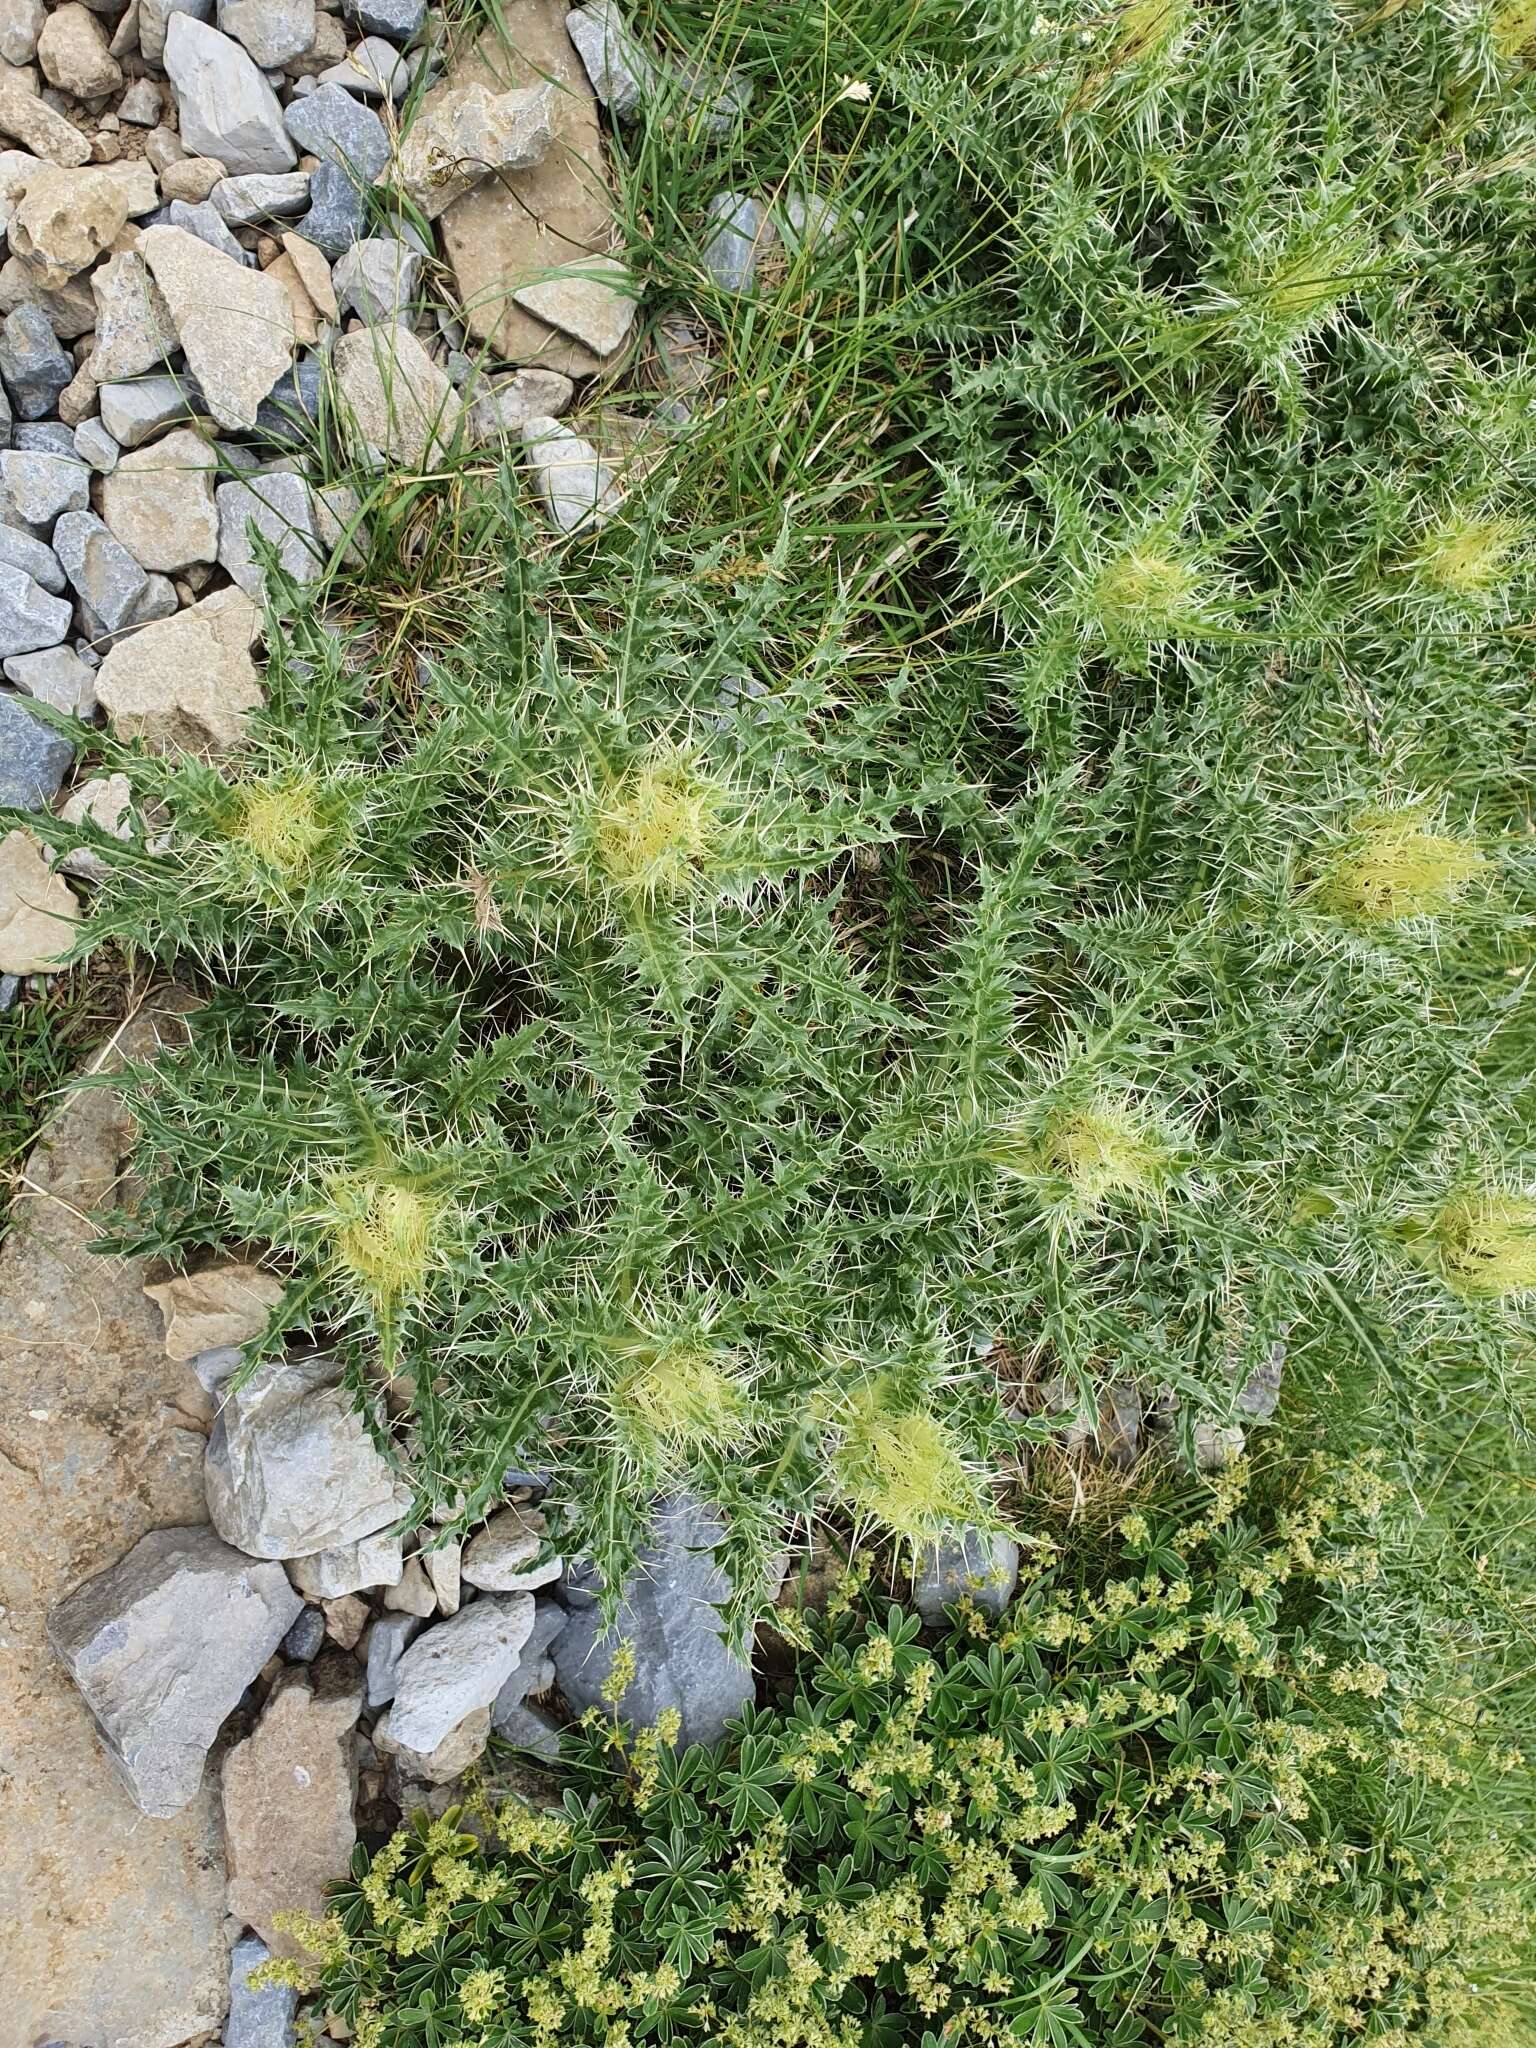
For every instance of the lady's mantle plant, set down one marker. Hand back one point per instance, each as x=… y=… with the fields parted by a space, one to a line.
x=1182 y=1808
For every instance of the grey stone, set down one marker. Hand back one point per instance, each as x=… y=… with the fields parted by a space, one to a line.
x=288 y=414
x=738 y=231
x=163 y=1645
x=34 y=759
x=281 y=508
x=36 y=487
x=45 y=437
x=133 y=323
x=335 y=217
x=304 y=1641
x=373 y=69
x=388 y=1640
x=56 y=676
x=348 y=1568
x=377 y=278
x=525 y=1727
x=549 y=1620
x=593 y=298
x=29 y=617
x=33 y=365
x=215 y=1365
x=1260 y=1394
x=668 y=1614
x=812 y=225
x=154 y=17
x=457 y=1667
x=273 y=32
x=1120 y=1424
x=158 y=602
x=291 y=1467
x=241 y=202
x=979 y=1565
x=400 y=20
x=623 y=72
x=225 y=107
x=334 y=126
x=134 y=413
x=258 y=2018
x=95 y=447
x=468 y=134
x=21 y=23
x=235 y=325
x=203 y=219
x=141 y=104
x=577 y=486
x=506 y=406
x=101 y=569
x=19 y=550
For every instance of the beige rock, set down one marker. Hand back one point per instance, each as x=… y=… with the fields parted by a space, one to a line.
x=501 y=1557
x=63 y=222
x=226 y=1303
x=187 y=682
x=442 y=1568
x=71 y=311
x=314 y=275
x=37 y=127
x=594 y=298
x=469 y=133
x=413 y=1594
x=38 y=911
x=106 y=800
x=235 y=324
x=288 y=1792
x=402 y=406
x=306 y=317
x=134 y=331
x=159 y=502
x=511 y=231
x=459 y=1748
x=136 y=182
x=78 y=400
x=75 y=55
x=345 y=1619
x=506 y=404
x=114 y=1925
x=192 y=178
x=16 y=166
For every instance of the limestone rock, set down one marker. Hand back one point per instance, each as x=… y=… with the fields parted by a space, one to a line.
x=374 y=70
x=236 y=325
x=162 y=1645
x=154 y=20
x=388 y=1640
x=668 y=1615
x=413 y=1594
x=314 y=274
x=457 y=1667
x=977 y=1565
x=186 y=682
x=280 y=509
x=503 y=1557
x=441 y=1564
x=226 y=108
x=345 y=1620
x=306 y=321
x=64 y=220
x=34 y=759
x=469 y=133
x=34 y=367
x=341 y=131
x=348 y=1568
x=29 y=617
x=623 y=72
x=21 y=23
x=37 y=486
x=114 y=1928
x=403 y=409
x=108 y=581
x=258 y=2017
x=271 y=31
x=738 y=230
x=20 y=550
x=240 y=202
x=160 y=503
x=377 y=279
x=577 y=486
x=106 y=801
x=510 y=231
x=461 y=1747
x=38 y=911
x=134 y=329
x=228 y=1302
x=288 y=1792
x=292 y=1468
x=75 y=55
x=36 y=126
x=506 y=405
x=534 y=1671
x=132 y=412
x=593 y=298
x=55 y=676
x=400 y=20
x=192 y=180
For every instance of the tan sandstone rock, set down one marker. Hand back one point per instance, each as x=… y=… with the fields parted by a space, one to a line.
x=226 y=1303
x=75 y=55
x=186 y=682
x=38 y=911
x=36 y=126
x=159 y=502
x=401 y=405
x=235 y=324
x=113 y=1925
x=470 y=133
x=288 y=1792
x=64 y=220
x=512 y=230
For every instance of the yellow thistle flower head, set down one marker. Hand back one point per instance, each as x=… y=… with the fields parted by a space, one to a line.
x=656 y=828
x=1146 y=29
x=1513 y=28
x=1149 y=591
x=1107 y=1151
x=1396 y=867
x=901 y=1468
x=279 y=823
x=1465 y=555
x=682 y=1398
x=1487 y=1243
x=383 y=1233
